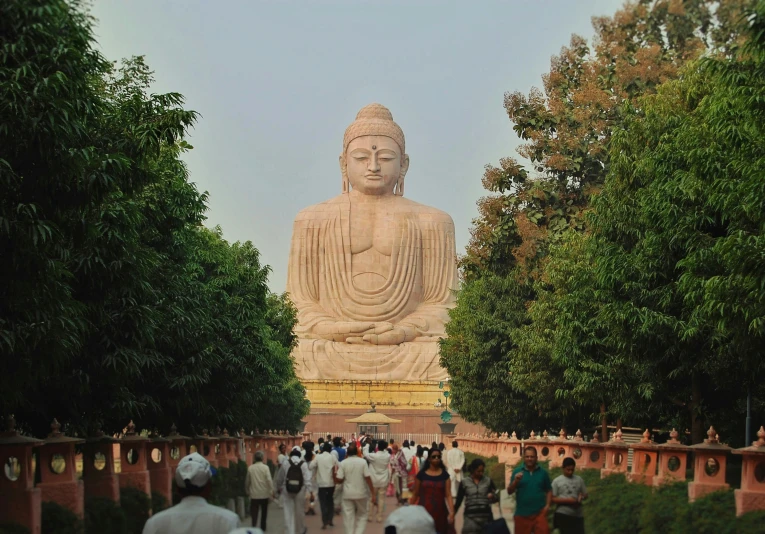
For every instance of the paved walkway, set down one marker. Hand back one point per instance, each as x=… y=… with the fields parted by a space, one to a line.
x=313 y=522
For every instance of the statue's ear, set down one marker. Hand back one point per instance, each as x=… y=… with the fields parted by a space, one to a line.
x=404 y=164
x=344 y=172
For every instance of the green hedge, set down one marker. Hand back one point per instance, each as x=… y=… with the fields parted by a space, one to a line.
x=57 y=519
x=104 y=515
x=616 y=506
x=137 y=507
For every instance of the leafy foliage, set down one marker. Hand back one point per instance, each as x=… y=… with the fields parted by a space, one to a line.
x=634 y=242
x=58 y=519
x=113 y=295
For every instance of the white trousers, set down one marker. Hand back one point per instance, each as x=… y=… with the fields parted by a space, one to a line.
x=338 y=496
x=294 y=511
x=455 y=479
x=380 y=492
x=355 y=515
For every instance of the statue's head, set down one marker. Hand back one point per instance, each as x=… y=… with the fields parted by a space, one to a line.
x=373 y=161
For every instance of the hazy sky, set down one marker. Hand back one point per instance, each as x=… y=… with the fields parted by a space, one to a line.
x=277 y=83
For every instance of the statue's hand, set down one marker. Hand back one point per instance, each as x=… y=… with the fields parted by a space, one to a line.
x=377 y=329
x=395 y=336
x=342 y=330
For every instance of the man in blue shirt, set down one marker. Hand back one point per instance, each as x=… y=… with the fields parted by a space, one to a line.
x=534 y=495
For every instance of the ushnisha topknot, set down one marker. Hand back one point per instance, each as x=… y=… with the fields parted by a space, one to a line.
x=374 y=119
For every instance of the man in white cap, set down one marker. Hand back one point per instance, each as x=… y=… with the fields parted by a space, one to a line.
x=292 y=483
x=193 y=515
x=410 y=520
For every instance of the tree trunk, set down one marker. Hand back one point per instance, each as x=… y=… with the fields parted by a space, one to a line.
x=603 y=423
x=697 y=425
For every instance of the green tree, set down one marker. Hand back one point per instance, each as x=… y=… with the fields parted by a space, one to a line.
x=677 y=232
x=114 y=297
x=529 y=213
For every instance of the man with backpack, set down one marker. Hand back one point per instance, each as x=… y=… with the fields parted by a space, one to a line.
x=292 y=482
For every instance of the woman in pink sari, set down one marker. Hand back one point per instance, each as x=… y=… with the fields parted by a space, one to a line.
x=398 y=469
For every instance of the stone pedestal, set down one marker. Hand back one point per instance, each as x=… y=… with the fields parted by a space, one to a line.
x=225 y=451
x=248 y=447
x=58 y=474
x=511 y=454
x=20 y=501
x=673 y=460
x=206 y=445
x=561 y=448
x=98 y=467
x=710 y=459
x=616 y=455
x=179 y=447
x=160 y=473
x=134 y=466
x=644 y=460
x=751 y=496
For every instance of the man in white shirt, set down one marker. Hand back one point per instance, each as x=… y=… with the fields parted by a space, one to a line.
x=260 y=488
x=408 y=453
x=455 y=459
x=353 y=473
x=326 y=466
x=380 y=475
x=193 y=515
x=293 y=492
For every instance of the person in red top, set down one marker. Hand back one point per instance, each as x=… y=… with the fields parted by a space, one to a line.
x=432 y=490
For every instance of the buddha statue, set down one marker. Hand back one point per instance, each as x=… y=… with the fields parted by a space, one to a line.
x=371 y=272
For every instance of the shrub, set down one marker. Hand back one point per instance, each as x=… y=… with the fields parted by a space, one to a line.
x=614 y=506
x=12 y=528
x=137 y=507
x=57 y=519
x=712 y=514
x=749 y=523
x=104 y=515
x=663 y=506
x=158 y=502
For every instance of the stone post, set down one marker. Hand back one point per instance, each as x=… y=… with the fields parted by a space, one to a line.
x=751 y=496
x=98 y=467
x=673 y=459
x=616 y=455
x=134 y=471
x=561 y=449
x=248 y=447
x=709 y=460
x=207 y=446
x=58 y=474
x=588 y=455
x=225 y=450
x=512 y=454
x=644 y=460
x=20 y=501
x=179 y=447
x=160 y=473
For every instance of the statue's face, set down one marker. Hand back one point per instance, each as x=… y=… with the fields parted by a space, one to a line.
x=374 y=164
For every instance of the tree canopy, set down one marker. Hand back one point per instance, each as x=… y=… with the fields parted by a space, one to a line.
x=619 y=234
x=115 y=301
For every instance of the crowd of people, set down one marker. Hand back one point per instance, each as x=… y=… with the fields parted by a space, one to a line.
x=353 y=478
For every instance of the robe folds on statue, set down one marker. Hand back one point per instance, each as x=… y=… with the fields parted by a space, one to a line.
x=417 y=292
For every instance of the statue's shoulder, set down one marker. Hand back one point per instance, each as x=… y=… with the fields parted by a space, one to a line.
x=427 y=213
x=322 y=210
